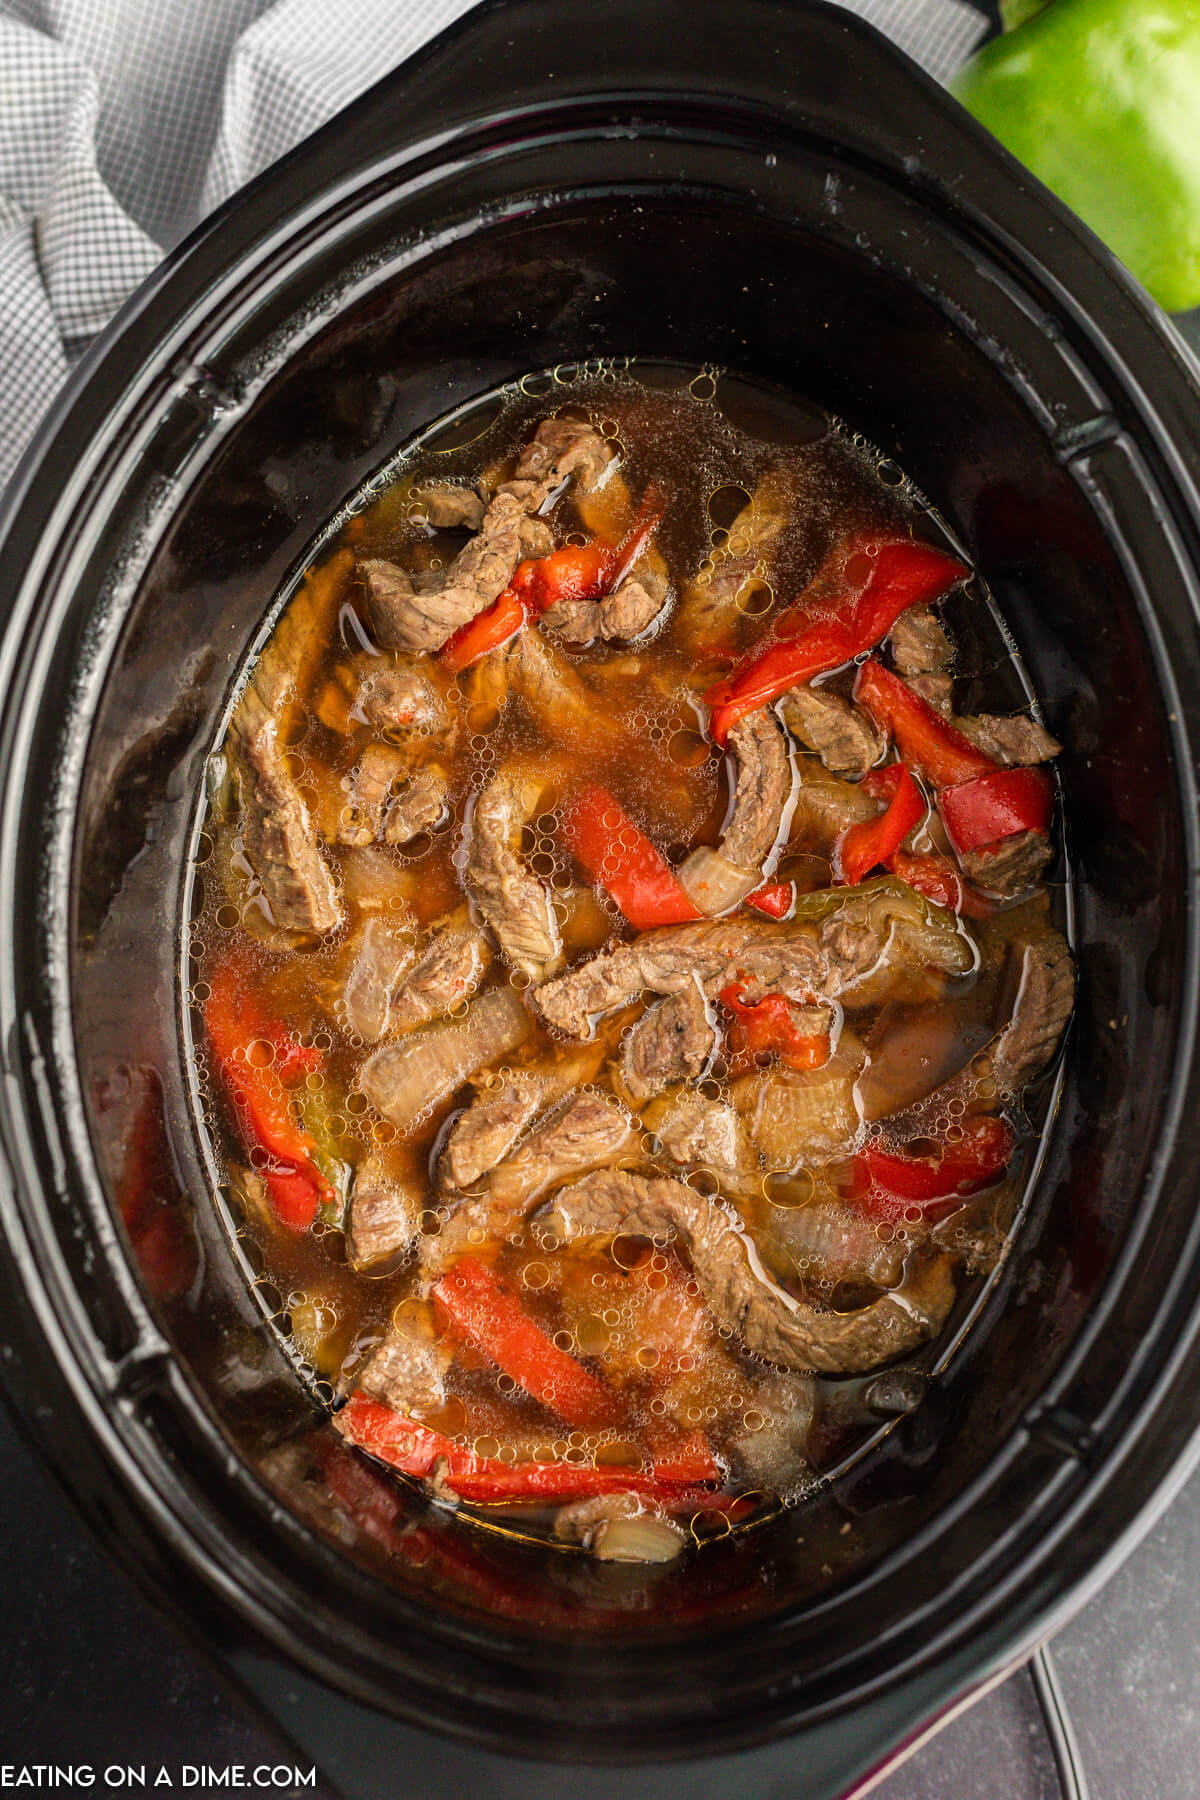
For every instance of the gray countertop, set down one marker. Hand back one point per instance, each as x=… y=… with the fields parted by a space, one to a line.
x=1130 y=1679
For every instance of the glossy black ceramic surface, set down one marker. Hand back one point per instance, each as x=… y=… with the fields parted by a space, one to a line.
x=769 y=188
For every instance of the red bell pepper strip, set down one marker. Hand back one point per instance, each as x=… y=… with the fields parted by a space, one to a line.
x=886 y=1182
x=929 y=744
x=586 y=571
x=996 y=806
x=483 y=1312
x=979 y=801
x=640 y=533
x=936 y=877
x=415 y=1449
x=881 y=784
x=872 y=841
x=374 y=1506
x=487 y=631
x=292 y=1058
x=683 y=1457
x=768 y=1026
x=442 y=1550
x=611 y=850
x=234 y=1020
x=775 y=899
x=852 y=602
x=573 y=572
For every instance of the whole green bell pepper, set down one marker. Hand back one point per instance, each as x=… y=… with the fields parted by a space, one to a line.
x=1101 y=99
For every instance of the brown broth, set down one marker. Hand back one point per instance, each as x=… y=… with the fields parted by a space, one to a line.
x=707 y=440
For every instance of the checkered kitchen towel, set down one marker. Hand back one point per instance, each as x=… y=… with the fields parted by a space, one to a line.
x=122 y=122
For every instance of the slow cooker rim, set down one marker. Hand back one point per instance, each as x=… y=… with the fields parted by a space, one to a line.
x=39 y=457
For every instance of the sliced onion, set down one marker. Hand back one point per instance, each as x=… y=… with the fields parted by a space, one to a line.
x=641 y=1539
x=715 y=884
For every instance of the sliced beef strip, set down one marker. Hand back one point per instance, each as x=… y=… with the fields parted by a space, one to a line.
x=420 y=805
x=1045 y=995
x=698 y=1132
x=919 y=643
x=801 y=958
x=630 y=609
x=757 y=820
x=449 y=970
x=485 y=1133
x=406 y=619
x=1011 y=866
x=762 y=790
x=448 y=507
x=406 y=1372
x=278 y=836
x=391 y=593
x=673 y=1041
x=737 y=1289
x=512 y=900
x=554 y=694
x=405 y=1080
x=838 y=731
x=385 y=1217
x=587 y=1133
x=498 y=1114
x=390 y=697
x=1015 y=740
x=383 y=953
x=853 y=942
x=560 y=449
x=380 y=770
x=537 y=539
x=386 y=804
x=922 y=653
x=486 y=1217
x=669 y=960
x=1043 y=977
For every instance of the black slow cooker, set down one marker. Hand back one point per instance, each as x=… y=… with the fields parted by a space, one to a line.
x=768 y=188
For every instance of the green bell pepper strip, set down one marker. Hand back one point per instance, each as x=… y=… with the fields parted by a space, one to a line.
x=1101 y=100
